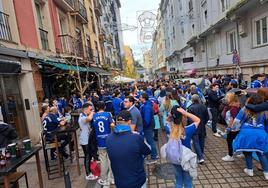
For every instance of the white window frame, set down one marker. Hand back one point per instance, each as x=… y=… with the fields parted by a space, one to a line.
x=254 y=23
x=228 y=41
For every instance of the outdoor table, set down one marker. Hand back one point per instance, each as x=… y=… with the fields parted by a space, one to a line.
x=14 y=163
x=72 y=130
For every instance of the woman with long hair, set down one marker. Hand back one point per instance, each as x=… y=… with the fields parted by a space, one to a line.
x=184 y=134
x=230 y=112
x=252 y=136
x=166 y=106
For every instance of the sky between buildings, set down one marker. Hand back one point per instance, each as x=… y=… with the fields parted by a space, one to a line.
x=129 y=11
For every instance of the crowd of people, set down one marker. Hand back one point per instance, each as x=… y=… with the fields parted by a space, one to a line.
x=119 y=126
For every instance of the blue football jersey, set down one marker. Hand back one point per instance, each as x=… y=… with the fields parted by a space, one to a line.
x=101 y=123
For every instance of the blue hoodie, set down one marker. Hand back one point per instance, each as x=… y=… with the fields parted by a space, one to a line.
x=117 y=103
x=126 y=151
x=147 y=114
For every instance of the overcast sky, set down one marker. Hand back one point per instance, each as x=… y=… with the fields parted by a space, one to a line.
x=129 y=11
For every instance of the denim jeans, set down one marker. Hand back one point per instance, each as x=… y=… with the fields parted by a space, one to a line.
x=214 y=113
x=149 y=137
x=262 y=157
x=199 y=144
x=183 y=178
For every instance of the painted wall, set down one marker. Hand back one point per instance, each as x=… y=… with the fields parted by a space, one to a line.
x=26 y=23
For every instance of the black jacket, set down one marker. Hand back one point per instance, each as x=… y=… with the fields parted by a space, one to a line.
x=213 y=99
x=7 y=134
x=200 y=111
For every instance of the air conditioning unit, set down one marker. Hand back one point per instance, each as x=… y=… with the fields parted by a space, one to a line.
x=242 y=28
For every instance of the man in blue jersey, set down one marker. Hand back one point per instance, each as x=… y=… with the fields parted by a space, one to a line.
x=147 y=114
x=117 y=103
x=126 y=151
x=102 y=122
x=51 y=124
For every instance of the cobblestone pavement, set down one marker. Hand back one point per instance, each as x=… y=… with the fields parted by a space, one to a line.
x=214 y=173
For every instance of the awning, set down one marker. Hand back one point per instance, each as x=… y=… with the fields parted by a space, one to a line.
x=101 y=72
x=65 y=66
x=9 y=67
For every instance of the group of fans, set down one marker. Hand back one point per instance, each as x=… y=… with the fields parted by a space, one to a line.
x=119 y=126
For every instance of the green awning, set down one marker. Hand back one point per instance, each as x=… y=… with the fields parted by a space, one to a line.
x=65 y=66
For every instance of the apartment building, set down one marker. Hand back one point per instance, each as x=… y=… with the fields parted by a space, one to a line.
x=43 y=43
x=111 y=33
x=206 y=32
x=159 y=67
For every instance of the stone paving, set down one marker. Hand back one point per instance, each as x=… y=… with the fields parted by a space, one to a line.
x=214 y=173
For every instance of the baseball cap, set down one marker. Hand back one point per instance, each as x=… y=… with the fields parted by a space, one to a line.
x=124 y=116
x=176 y=116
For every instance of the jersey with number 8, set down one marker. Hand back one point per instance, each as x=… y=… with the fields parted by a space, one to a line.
x=101 y=123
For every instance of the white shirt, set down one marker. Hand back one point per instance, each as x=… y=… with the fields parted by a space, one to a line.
x=85 y=129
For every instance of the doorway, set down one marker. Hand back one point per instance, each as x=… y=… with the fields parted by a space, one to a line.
x=11 y=104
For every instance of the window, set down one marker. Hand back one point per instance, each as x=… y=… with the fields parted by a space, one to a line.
x=205 y=17
x=224 y=5
x=180 y=4
x=231 y=41
x=173 y=33
x=190 y=5
x=172 y=11
x=39 y=15
x=261 y=31
x=182 y=28
x=192 y=29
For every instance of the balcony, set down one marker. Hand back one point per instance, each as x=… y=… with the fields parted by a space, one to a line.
x=82 y=13
x=44 y=39
x=5 y=32
x=67 y=43
x=97 y=8
x=67 y=5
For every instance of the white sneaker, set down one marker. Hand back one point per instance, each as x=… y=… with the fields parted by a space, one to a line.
x=91 y=177
x=201 y=161
x=228 y=158
x=217 y=134
x=103 y=182
x=248 y=171
x=265 y=175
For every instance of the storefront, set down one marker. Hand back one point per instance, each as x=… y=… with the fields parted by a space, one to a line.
x=18 y=100
x=11 y=104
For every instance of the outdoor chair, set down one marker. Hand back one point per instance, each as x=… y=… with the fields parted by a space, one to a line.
x=15 y=177
x=51 y=168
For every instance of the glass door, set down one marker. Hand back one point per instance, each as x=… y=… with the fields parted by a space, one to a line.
x=11 y=104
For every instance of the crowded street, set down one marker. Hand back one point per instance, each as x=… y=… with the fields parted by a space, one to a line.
x=133 y=94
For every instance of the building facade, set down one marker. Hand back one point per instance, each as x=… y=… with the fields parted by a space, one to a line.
x=159 y=66
x=111 y=33
x=44 y=43
x=129 y=62
x=148 y=66
x=203 y=35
